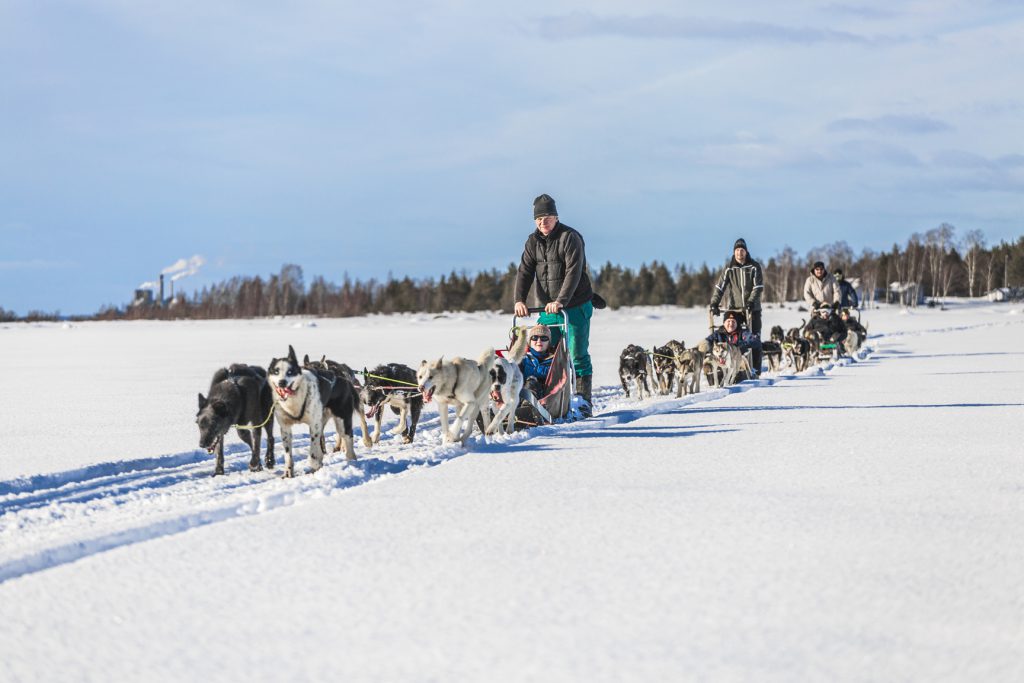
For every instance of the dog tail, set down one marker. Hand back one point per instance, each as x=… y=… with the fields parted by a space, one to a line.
x=518 y=350
x=486 y=359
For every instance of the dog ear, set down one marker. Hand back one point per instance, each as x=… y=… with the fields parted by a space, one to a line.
x=305 y=359
x=323 y=358
x=202 y=402
x=291 y=355
x=439 y=362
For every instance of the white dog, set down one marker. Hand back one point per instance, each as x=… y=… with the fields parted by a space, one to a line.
x=507 y=386
x=462 y=382
x=730 y=360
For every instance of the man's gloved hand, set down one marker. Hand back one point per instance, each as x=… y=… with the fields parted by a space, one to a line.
x=715 y=309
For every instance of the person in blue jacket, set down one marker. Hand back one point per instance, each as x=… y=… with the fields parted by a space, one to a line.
x=537 y=362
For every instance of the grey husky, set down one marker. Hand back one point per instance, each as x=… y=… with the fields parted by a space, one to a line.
x=462 y=382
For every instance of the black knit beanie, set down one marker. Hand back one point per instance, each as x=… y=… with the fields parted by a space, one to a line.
x=740 y=244
x=544 y=205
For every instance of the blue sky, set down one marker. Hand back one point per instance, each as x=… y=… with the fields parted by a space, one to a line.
x=411 y=138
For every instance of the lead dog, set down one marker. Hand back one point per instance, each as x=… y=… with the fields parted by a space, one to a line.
x=239 y=396
x=730 y=360
x=298 y=399
x=507 y=386
x=634 y=366
x=343 y=372
x=462 y=382
x=392 y=385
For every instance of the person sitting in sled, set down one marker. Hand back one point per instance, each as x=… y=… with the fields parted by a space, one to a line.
x=853 y=325
x=731 y=332
x=829 y=327
x=536 y=364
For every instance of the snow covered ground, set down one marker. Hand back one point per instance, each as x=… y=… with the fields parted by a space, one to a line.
x=857 y=522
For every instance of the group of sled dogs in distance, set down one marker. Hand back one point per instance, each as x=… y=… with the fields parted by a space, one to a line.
x=724 y=363
x=250 y=399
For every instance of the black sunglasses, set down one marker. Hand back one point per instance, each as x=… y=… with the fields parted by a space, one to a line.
x=538 y=337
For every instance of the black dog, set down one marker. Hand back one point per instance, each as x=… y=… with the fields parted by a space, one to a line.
x=797 y=349
x=339 y=403
x=635 y=365
x=394 y=385
x=342 y=370
x=239 y=395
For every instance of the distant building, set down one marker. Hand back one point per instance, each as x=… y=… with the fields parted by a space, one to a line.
x=1006 y=294
x=905 y=293
x=143 y=297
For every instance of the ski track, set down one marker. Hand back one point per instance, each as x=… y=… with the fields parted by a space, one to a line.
x=50 y=520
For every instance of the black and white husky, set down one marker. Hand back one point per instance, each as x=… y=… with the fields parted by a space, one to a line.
x=462 y=382
x=239 y=397
x=298 y=399
x=392 y=385
x=507 y=391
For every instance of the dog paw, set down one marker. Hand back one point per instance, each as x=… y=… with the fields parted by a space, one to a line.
x=255 y=467
x=368 y=442
x=406 y=438
x=218 y=471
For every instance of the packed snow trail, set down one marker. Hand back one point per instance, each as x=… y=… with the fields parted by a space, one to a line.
x=50 y=520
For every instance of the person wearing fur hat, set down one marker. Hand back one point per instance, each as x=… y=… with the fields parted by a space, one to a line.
x=554 y=265
x=537 y=361
x=739 y=288
x=820 y=288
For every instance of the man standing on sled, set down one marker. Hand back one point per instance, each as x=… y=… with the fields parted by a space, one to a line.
x=739 y=288
x=554 y=259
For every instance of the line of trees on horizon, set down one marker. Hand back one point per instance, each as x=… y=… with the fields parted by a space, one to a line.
x=939 y=263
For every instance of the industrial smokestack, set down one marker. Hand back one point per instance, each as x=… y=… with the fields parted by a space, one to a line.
x=161 y=300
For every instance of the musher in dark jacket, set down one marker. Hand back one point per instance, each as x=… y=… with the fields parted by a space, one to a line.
x=554 y=263
x=740 y=287
x=847 y=294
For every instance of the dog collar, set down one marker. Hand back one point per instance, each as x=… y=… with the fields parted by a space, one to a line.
x=301 y=413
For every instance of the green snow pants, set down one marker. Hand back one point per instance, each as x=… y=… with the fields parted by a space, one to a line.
x=579 y=334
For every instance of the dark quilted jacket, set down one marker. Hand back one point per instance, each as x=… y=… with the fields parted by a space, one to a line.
x=556 y=265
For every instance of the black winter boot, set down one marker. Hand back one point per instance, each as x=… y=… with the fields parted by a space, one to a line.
x=756 y=362
x=583 y=390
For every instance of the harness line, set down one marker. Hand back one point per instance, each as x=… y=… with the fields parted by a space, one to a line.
x=251 y=427
x=390 y=379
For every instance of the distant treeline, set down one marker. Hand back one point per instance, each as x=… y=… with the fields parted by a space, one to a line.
x=937 y=261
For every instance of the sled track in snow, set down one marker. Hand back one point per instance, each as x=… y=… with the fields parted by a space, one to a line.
x=53 y=519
